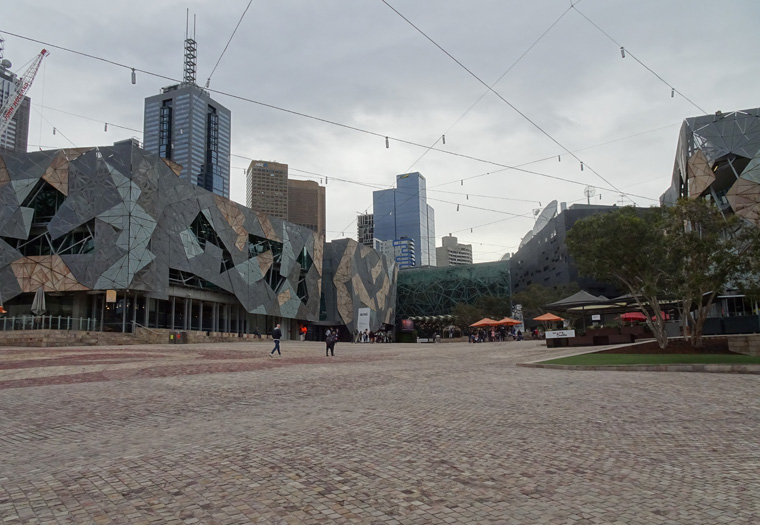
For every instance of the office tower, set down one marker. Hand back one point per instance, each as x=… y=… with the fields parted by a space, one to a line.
x=451 y=253
x=403 y=213
x=15 y=138
x=306 y=204
x=184 y=124
x=267 y=188
x=365 y=229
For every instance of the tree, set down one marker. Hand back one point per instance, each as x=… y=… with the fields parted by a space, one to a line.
x=466 y=314
x=628 y=247
x=535 y=296
x=496 y=307
x=705 y=248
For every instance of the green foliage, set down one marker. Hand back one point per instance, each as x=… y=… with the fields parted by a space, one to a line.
x=535 y=296
x=705 y=248
x=494 y=307
x=466 y=314
x=627 y=247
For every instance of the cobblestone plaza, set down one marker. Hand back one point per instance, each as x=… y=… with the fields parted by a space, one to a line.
x=449 y=433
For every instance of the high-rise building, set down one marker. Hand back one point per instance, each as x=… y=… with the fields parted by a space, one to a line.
x=451 y=253
x=15 y=138
x=365 y=229
x=306 y=204
x=400 y=251
x=267 y=188
x=184 y=124
x=403 y=212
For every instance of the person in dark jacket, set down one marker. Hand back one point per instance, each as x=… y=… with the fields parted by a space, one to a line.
x=276 y=335
x=330 y=340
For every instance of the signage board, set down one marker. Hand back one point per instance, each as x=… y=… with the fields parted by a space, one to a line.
x=560 y=334
x=110 y=296
x=596 y=317
x=362 y=323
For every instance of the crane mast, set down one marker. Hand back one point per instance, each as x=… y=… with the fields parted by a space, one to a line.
x=21 y=86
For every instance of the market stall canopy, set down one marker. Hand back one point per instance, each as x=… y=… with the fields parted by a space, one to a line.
x=485 y=322
x=508 y=321
x=580 y=299
x=548 y=317
x=638 y=316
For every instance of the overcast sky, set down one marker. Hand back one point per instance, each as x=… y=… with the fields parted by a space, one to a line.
x=359 y=64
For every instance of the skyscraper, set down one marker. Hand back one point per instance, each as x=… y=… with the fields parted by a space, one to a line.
x=451 y=253
x=267 y=188
x=403 y=212
x=14 y=139
x=184 y=124
x=306 y=204
x=365 y=229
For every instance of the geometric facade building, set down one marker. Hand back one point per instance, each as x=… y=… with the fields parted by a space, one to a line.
x=543 y=257
x=718 y=158
x=403 y=212
x=437 y=290
x=357 y=277
x=79 y=222
x=451 y=253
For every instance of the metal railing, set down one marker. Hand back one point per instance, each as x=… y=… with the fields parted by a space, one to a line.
x=49 y=322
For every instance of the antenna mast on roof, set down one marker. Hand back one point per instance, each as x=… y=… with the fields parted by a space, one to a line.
x=191 y=52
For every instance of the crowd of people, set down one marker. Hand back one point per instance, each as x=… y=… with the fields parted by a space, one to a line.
x=501 y=333
x=381 y=336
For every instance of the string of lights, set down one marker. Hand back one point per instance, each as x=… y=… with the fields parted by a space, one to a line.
x=626 y=52
x=523 y=115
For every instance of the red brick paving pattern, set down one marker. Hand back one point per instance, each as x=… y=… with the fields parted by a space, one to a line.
x=379 y=434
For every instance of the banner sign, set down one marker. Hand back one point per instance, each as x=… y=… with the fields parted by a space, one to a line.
x=559 y=334
x=362 y=323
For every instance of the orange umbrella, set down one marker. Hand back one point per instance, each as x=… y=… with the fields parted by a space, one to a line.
x=509 y=321
x=485 y=322
x=548 y=317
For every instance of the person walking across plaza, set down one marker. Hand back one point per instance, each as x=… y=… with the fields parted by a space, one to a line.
x=330 y=340
x=276 y=335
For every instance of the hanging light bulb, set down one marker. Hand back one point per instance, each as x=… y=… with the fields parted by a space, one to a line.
x=208 y=81
x=134 y=76
x=444 y=138
x=105 y=128
x=457 y=207
x=468 y=196
x=559 y=158
x=387 y=144
x=672 y=92
x=581 y=165
x=325 y=181
x=622 y=51
x=462 y=184
x=54 y=131
x=470 y=230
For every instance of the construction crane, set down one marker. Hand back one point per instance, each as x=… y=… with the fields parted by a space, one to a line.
x=20 y=86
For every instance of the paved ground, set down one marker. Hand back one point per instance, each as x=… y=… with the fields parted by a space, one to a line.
x=449 y=433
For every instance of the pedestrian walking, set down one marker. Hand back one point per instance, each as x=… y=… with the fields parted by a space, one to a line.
x=330 y=340
x=276 y=335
